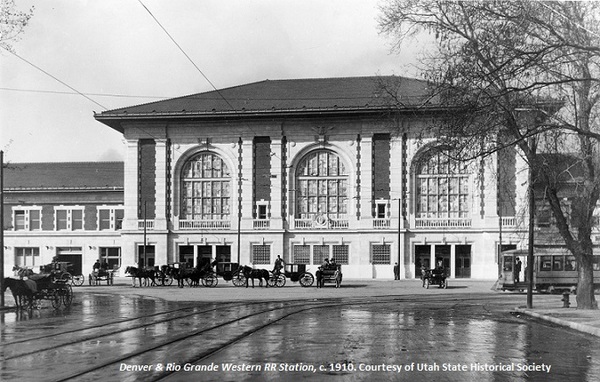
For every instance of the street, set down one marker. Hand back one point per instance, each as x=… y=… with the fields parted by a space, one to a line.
x=467 y=333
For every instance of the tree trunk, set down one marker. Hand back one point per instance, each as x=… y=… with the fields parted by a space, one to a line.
x=585 y=283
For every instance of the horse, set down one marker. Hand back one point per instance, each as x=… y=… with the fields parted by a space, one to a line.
x=22 y=272
x=250 y=273
x=22 y=293
x=140 y=274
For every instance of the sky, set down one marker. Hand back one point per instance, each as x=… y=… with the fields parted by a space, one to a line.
x=115 y=53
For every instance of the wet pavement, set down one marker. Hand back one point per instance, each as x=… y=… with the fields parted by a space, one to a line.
x=366 y=330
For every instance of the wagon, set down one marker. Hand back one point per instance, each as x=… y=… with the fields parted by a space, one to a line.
x=435 y=276
x=331 y=273
x=62 y=271
x=97 y=277
x=295 y=272
x=40 y=287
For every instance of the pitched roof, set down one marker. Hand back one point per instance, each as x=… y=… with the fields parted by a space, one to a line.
x=64 y=176
x=285 y=96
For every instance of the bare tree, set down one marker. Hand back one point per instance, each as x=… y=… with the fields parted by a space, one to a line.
x=12 y=23
x=515 y=72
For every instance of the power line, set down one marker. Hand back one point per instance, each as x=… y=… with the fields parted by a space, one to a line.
x=75 y=93
x=53 y=77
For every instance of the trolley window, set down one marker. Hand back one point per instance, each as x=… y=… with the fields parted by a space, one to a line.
x=546 y=263
x=557 y=263
x=508 y=264
x=570 y=263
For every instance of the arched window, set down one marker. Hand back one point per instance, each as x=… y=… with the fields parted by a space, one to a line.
x=205 y=188
x=321 y=186
x=442 y=187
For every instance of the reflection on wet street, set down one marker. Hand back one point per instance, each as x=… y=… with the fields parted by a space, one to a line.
x=131 y=338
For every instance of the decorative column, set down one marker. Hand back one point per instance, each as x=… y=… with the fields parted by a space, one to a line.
x=247 y=165
x=366 y=184
x=276 y=184
x=130 y=220
x=160 y=220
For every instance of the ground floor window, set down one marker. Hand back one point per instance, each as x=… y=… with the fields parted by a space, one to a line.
x=381 y=254
x=320 y=253
x=301 y=254
x=146 y=255
x=27 y=256
x=261 y=254
x=111 y=256
x=341 y=254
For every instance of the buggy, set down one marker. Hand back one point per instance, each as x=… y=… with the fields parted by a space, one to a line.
x=435 y=276
x=62 y=271
x=331 y=273
x=295 y=272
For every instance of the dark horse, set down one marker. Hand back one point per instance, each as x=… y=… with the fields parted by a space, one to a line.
x=21 y=292
x=250 y=273
x=140 y=274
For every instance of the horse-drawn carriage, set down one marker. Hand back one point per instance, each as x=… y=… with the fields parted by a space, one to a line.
x=100 y=275
x=29 y=293
x=62 y=271
x=435 y=276
x=329 y=273
x=295 y=272
x=185 y=273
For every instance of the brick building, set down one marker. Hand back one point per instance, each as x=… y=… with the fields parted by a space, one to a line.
x=306 y=168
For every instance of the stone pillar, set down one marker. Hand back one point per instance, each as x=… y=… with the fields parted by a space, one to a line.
x=130 y=220
x=247 y=163
x=396 y=164
x=366 y=181
x=276 y=184
x=160 y=220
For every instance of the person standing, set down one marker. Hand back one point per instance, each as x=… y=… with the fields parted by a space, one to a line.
x=396 y=271
x=518 y=270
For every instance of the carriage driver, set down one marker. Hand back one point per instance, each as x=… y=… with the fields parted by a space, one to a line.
x=278 y=265
x=96 y=268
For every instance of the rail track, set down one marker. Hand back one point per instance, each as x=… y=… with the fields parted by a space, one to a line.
x=185 y=335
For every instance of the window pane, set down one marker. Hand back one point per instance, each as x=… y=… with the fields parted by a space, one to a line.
x=19 y=220
x=35 y=221
x=77 y=219
x=61 y=219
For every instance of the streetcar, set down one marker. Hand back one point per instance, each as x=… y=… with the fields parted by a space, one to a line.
x=554 y=270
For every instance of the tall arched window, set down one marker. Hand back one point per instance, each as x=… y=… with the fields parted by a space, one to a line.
x=442 y=187
x=205 y=188
x=321 y=186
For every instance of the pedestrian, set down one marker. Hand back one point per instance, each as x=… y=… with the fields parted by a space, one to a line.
x=396 y=271
x=518 y=270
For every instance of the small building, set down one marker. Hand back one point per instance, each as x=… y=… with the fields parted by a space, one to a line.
x=65 y=211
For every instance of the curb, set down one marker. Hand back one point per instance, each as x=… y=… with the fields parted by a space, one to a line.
x=573 y=325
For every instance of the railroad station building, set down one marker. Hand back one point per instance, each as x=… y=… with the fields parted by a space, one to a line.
x=304 y=168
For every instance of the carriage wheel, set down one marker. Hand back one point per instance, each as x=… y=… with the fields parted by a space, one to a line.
x=210 y=280
x=167 y=280
x=279 y=281
x=238 y=279
x=90 y=279
x=78 y=280
x=67 y=295
x=272 y=281
x=445 y=284
x=426 y=283
x=55 y=298
x=307 y=279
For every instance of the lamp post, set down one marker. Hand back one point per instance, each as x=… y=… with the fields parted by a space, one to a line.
x=531 y=196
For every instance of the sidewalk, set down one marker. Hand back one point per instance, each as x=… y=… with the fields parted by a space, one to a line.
x=585 y=321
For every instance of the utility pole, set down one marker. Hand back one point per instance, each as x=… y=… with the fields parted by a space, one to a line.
x=530 y=258
x=145 y=260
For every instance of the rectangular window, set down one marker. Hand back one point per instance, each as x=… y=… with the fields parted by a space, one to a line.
x=301 y=254
x=546 y=263
x=381 y=254
x=261 y=211
x=557 y=263
x=110 y=218
x=596 y=263
x=261 y=254
x=341 y=254
x=68 y=218
x=27 y=256
x=320 y=253
x=112 y=256
x=27 y=218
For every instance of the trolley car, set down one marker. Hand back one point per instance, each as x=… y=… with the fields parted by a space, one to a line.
x=553 y=271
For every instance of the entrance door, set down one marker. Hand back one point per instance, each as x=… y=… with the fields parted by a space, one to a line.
x=71 y=255
x=204 y=255
x=422 y=259
x=186 y=254
x=146 y=256
x=442 y=256
x=462 y=261
x=224 y=253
